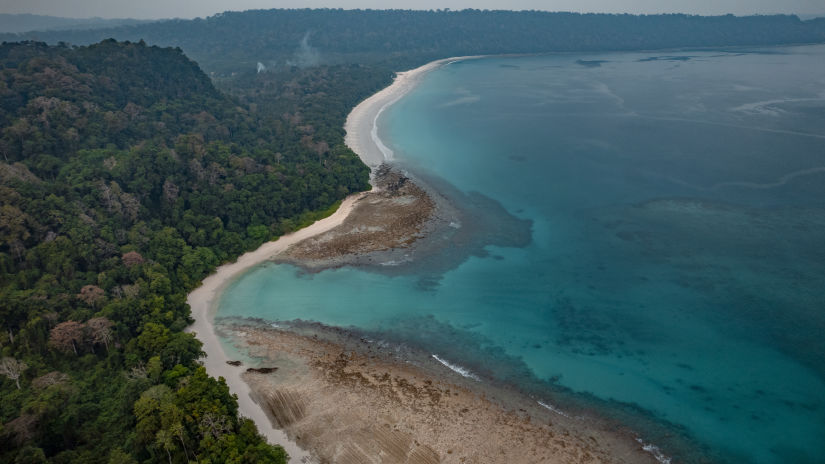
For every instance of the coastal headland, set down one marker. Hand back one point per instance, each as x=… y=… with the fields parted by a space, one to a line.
x=386 y=221
x=328 y=395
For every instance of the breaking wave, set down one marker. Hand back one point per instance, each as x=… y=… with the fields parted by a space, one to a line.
x=457 y=369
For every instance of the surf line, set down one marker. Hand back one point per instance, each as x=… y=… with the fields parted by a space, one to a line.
x=457 y=369
x=385 y=150
x=655 y=451
x=553 y=408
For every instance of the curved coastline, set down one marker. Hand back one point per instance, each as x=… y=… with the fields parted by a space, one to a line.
x=203 y=302
x=362 y=138
x=360 y=127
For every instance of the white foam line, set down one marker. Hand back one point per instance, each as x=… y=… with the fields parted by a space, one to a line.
x=722 y=124
x=361 y=125
x=655 y=451
x=385 y=150
x=761 y=106
x=553 y=408
x=784 y=180
x=457 y=369
x=769 y=185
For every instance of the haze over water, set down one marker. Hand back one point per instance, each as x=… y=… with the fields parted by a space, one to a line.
x=676 y=275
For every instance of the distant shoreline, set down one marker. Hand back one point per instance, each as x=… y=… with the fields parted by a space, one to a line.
x=203 y=301
x=281 y=389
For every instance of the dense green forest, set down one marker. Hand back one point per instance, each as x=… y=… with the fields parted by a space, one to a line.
x=125 y=178
x=127 y=175
x=236 y=41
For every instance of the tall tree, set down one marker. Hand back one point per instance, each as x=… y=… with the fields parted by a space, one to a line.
x=12 y=369
x=67 y=336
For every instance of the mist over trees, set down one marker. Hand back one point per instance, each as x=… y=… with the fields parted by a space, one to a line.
x=17 y=23
x=237 y=41
x=127 y=175
x=126 y=178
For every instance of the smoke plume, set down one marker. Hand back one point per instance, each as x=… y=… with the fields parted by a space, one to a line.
x=306 y=55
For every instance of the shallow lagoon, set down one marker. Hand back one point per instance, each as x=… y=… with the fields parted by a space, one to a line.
x=675 y=279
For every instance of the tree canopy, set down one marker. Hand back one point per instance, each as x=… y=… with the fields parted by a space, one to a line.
x=127 y=175
x=235 y=42
x=127 y=178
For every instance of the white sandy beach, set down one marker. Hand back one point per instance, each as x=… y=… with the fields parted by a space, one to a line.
x=362 y=132
x=318 y=431
x=203 y=302
x=362 y=139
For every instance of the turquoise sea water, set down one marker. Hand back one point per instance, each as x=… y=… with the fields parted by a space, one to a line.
x=675 y=276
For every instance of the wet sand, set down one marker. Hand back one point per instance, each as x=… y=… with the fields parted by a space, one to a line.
x=381 y=228
x=203 y=301
x=362 y=133
x=327 y=397
x=353 y=400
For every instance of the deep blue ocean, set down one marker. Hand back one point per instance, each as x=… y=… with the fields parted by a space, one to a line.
x=674 y=278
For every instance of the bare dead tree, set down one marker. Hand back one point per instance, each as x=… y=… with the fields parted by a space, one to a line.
x=100 y=330
x=108 y=197
x=214 y=424
x=137 y=372
x=52 y=378
x=12 y=369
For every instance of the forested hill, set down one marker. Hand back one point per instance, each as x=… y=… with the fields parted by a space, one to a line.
x=30 y=22
x=125 y=178
x=237 y=41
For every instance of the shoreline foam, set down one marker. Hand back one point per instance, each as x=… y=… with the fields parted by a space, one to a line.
x=362 y=138
x=203 y=300
x=351 y=399
x=457 y=369
x=362 y=122
x=203 y=303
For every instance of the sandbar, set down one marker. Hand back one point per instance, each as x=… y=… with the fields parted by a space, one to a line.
x=327 y=396
x=204 y=299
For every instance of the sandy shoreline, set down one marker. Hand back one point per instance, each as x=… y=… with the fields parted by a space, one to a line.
x=362 y=134
x=203 y=300
x=354 y=400
x=346 y=403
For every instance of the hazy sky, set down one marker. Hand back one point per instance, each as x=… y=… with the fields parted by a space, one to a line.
x=193 y=8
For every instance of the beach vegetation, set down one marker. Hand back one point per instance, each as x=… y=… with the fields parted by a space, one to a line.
x=127 y=174
x=127 y=177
